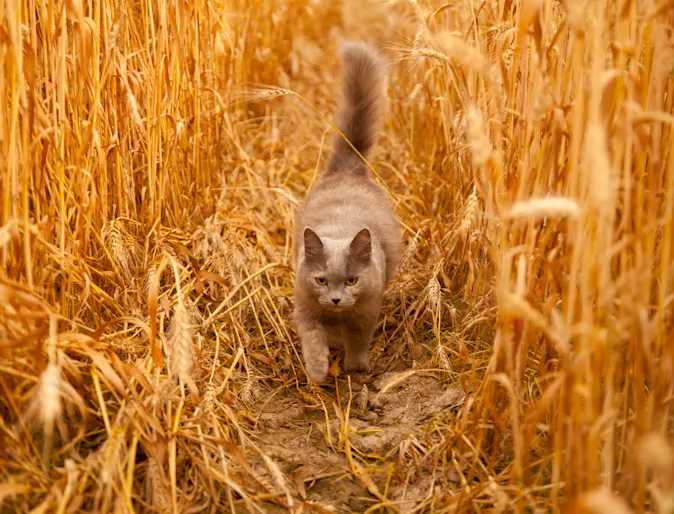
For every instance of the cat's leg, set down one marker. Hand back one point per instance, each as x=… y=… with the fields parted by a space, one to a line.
x=357 y=344
x=315 y=350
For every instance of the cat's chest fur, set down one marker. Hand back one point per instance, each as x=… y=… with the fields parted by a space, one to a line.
x=338 y=325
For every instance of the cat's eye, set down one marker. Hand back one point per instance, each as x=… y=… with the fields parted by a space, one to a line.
x=351 y=281
x=322 y=281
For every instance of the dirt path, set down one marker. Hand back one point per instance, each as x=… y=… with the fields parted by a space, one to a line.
x=386 y=418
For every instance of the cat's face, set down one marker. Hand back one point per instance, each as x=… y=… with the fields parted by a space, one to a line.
x=338 y=272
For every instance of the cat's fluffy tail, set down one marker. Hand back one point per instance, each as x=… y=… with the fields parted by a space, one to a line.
x=360 y=110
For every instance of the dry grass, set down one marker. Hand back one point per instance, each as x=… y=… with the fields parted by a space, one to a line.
x=153 y=154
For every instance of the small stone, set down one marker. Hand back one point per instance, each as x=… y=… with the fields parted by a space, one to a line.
x=370 y=416
x=375 y=402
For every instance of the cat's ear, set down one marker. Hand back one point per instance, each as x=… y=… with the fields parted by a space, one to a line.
x=313 y=248
x=361 y=247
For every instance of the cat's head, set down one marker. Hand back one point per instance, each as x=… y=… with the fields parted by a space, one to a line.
x=339 y=272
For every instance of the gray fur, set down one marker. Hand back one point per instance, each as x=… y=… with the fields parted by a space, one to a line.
x=346 y=229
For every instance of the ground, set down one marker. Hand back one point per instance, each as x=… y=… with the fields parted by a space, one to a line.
x=387 y=414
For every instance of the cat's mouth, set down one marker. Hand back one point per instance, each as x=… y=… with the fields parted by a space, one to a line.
x=337 y=308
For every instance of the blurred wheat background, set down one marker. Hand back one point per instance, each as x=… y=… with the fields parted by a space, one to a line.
x=153 y=154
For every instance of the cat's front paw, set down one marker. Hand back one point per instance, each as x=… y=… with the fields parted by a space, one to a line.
x=356 y=362
x=317 y=369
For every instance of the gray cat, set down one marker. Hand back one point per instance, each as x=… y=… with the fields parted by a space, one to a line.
x=347 y=239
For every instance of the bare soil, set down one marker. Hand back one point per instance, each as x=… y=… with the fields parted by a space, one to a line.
x=384 y=417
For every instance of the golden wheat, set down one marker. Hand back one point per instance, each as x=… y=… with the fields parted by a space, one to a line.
x=528 y=148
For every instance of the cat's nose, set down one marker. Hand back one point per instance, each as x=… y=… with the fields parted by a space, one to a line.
x=336 y=300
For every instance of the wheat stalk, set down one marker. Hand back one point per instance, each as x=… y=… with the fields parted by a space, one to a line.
x=544 y=208
x=181 y=361
x=248 y=389
x=469 y=214
x=478 y=138
x=279 y=479
x=434 y=293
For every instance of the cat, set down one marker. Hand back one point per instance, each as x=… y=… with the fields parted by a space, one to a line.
x=347 y=238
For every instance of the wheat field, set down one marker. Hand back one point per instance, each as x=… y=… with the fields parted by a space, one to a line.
x=153 y=155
